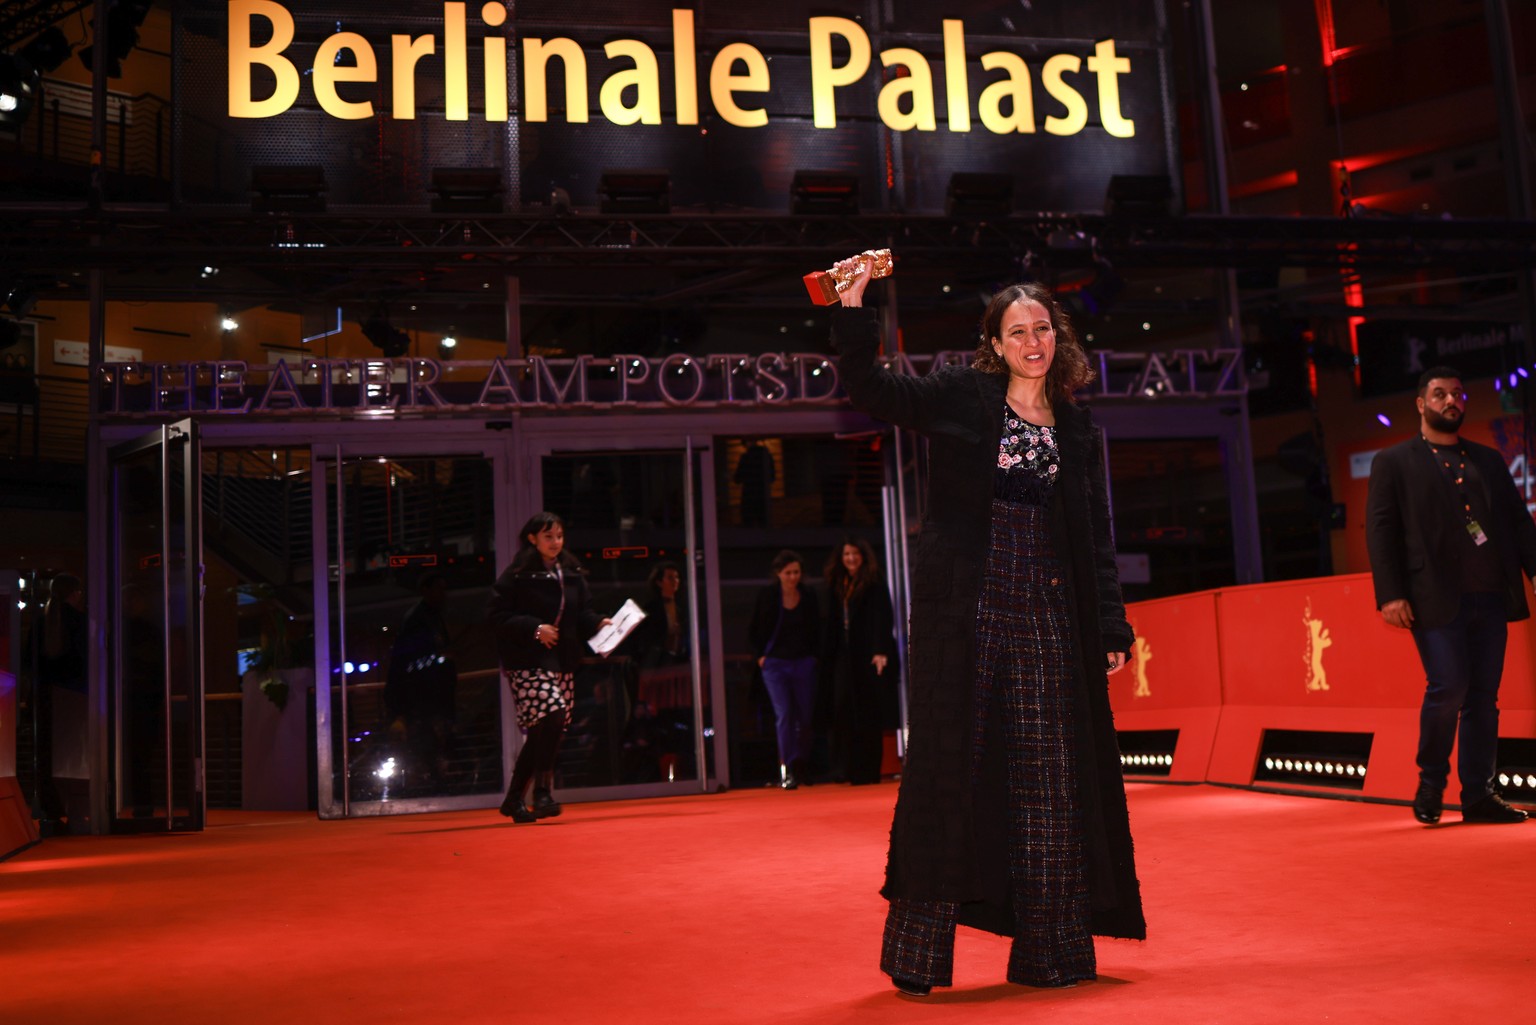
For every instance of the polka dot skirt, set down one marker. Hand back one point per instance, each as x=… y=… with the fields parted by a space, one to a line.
x=541 y=692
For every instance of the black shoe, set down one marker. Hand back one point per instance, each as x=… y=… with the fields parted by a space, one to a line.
x=801 y=771
x=789 y=782
x=544 y=804
x=1427 y=804
x=517 y=811
x=1492 y=808
x=912 y=989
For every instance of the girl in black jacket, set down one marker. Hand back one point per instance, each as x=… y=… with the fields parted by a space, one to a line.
x=539 y=612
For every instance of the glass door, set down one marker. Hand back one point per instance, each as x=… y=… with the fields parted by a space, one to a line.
x=643 y=717
x=408 y=696
x=156 y=640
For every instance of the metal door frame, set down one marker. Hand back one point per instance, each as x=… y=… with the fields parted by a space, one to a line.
x=162 y=438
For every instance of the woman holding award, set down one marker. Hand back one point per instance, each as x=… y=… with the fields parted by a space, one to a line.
x=1011 y=815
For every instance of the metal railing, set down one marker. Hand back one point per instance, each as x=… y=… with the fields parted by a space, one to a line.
x=51 y=425
x=138 y=140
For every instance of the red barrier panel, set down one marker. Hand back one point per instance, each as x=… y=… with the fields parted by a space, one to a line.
x=1309 y=656
x=1173 y=680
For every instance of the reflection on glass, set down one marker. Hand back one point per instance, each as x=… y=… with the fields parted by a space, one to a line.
x=152 y=623
x=416 y=697
x=634 y=715
x=815 y=491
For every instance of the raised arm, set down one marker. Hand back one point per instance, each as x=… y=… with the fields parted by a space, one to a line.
x=900 y=399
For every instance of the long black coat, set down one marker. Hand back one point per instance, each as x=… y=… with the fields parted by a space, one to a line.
x=960 y=411
x=1415 y=530
x=870 y=633
x=526 y=595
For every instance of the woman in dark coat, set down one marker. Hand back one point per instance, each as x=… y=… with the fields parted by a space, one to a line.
x=858 y=660
x=785 y=637
x=1011 y=815
x=539 y=612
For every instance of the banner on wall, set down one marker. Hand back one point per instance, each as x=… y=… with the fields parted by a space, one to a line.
x=1394 y=353
x=730 y=98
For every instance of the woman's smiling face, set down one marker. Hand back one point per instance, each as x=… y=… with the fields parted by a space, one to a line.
x=1028 y=340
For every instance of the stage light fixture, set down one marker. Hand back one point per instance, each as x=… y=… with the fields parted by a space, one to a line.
x=19 y=82
x=1139 y=195
x=824 y=192
x=123 y=22
x=19 y=298
x=637 y=191
x=228 y=323
x=281 y=188
x=973 y=195
x=47 y=51
x=466 y=190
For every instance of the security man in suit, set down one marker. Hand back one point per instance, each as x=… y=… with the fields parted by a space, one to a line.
x=1449 y=535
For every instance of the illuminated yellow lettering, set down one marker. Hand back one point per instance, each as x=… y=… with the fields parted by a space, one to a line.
x=1106 y=65
x=536 y=55
x=957 y=90
x=917 y=85
x=455 y=64
x=242 y=55
x=404 y=52
x=685 y=71
x=825 y=78
x=328 y=73
x=722 y=83
x=495 y=15
x=644 y=77
x=1061 y=92
x=1014 y=90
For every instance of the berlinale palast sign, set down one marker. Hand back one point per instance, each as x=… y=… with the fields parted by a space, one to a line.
x=838 y=50
x=730 y=97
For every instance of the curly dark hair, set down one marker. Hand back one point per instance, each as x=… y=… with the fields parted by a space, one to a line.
x=1070 y=369
x=838 y=579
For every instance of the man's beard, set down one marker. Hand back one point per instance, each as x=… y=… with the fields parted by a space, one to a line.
x=1439 y=422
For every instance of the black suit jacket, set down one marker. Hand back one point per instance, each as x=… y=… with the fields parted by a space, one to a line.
x=1416 y=533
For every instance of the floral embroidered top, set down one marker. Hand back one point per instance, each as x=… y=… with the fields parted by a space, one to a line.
x=1027 y=461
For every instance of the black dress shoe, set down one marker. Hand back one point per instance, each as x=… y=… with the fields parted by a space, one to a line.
x=544 y=804
x=517 y=811
x=787 y=778
x=1427 y=804
x=912 y=989
x=1492 y=808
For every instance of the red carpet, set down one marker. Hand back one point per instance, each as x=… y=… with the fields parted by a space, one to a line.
x=752 y=907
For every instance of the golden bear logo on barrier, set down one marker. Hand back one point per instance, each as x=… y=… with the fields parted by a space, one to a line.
x=1318 y=641
x=1141 y=654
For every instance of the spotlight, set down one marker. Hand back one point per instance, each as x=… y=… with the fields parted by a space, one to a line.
x=47 y=51
x=466 y=190
x=123 y=23
x=288 y=188
x=209 y=272
x=640 y=191
x=979 y=195
x=18 y=89
x=19 y=299
x=228 y=323
x=449 y=342
x=824 y=192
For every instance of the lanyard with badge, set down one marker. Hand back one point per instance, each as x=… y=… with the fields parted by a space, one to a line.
x=1458 y=473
